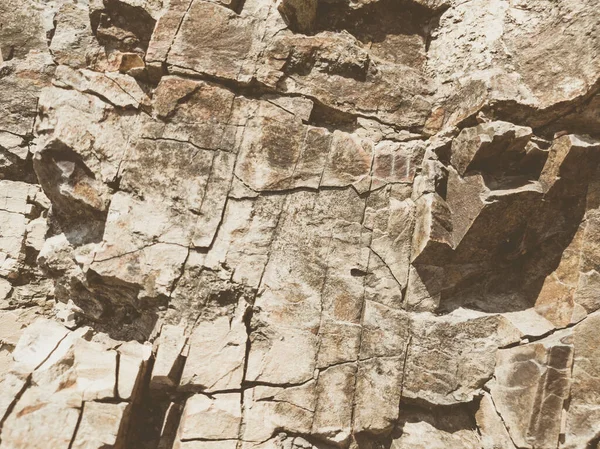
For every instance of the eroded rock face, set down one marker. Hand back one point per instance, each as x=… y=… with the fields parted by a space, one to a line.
x=299 y=224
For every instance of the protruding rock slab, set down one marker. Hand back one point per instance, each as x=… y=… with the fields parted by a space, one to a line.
x=531 y=387
x=167 y=363
x=102 y=426
x=583 y=417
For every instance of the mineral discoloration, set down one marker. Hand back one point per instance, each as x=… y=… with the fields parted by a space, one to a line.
x=299 y=224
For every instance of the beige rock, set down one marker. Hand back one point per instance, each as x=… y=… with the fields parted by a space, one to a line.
x=376 y=221
x=26 y=77
x=377 y=394
x=490 y=425
x=34 y=426
x=95 y=371
x=422 y=435
x=37 y=343
x=333 y=414
x=133 y=363
x=245 y=237
x=13 y=385
x=101 y=426
x=15 y=198
x=562 y=160
x=268 y=410
x=475 y=147
x=130 y=252
x=433 y=230
x=206 y=418
x=498 y=30
x=5 y=289
x=217 y=355
x=530 y=388
x=288 y=356
x=466 y=343
x=73 y=40
x=11 y=328
x=529 y=323
x=583 y=413
x=168 y=357
x=118 y=89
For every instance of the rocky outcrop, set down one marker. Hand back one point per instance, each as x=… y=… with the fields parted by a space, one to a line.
x=251 y=224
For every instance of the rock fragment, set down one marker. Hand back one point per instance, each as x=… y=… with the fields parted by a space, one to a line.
x=168 y=361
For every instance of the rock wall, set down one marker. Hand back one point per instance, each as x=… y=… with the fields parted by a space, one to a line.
x=302 y=224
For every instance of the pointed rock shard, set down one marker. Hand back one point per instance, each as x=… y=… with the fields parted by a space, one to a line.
x=133 y=363
x=300 y=15
x=432 y=238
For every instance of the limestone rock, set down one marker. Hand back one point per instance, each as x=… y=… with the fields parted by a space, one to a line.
x=133 y=363
x=583 y=413
x=217 y=353
x=59 y=375
x=101 y=426
x=444 y=428
x=207 y=418
x=464 y=340
x=168 y=357
x=491 y=426
x=299 y=224
x=271 y=409
x=37 y=343
x=531 y=384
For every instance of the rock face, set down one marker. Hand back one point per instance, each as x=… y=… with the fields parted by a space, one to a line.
x=299 y=224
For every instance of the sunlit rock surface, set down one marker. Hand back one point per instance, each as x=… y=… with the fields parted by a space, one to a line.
x=299 y=224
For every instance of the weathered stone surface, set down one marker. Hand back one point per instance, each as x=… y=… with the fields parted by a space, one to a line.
x=211 y=418
x=51 y=387
x=299 y=224
x=101 y=426
x=37 y=343
x=490 y=424
x=133 y=363
x=167 y=362
x=531 y=385
x=466 y=343
x=583 y=413
x=268 y=410
x=217 y=354
x=444 y=428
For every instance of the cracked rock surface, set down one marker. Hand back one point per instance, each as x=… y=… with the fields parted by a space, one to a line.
x=299 y=224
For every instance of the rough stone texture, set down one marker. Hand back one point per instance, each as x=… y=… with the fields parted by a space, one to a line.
x=299 y=224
